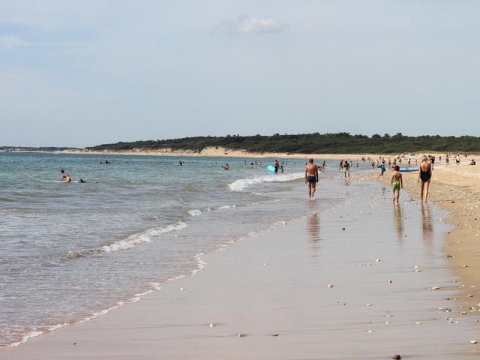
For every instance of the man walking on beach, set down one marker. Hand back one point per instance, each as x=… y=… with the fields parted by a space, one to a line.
x=311 y=177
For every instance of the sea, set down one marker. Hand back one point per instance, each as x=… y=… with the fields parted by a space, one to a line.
x=70 y=252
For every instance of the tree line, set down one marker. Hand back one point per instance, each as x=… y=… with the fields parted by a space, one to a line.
x=315 y=143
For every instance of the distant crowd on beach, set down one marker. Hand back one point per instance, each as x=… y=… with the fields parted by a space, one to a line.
x=396 y=181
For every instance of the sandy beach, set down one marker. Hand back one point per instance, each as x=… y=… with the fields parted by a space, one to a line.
x=223 y=152
x=457 y=189
x=364 y=279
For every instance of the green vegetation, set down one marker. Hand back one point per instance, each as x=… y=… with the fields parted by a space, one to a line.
x=341 y=143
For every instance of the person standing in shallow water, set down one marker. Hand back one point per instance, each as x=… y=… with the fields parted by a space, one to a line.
x=65 y=176
x=397 y=183
x=424 y=176
x=276 y=165
x=311 y=178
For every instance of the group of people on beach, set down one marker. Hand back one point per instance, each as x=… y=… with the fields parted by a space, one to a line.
x=396 y=180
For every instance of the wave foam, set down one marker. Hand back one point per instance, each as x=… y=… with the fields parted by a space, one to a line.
x=242 y=184
x=194 y=212
x=129 y=242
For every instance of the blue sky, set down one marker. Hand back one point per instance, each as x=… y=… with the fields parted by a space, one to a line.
x=85 y=73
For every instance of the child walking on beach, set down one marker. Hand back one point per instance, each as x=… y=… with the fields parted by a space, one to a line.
x=397 y=183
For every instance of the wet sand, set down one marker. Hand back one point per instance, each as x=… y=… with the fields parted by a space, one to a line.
x=457 y=189
x=268 y=296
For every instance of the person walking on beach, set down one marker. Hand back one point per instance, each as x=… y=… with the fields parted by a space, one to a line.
x=382 y=169
x=397 y=183
x=311 y=178
x=65 y=177
x=424 y=176
x=346 y=167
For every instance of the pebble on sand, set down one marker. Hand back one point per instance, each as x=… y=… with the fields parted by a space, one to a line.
x=212 y=325
x=241 y=335
x=182 y=289
x=473 y=342
x=390 y=281
x=330 y=286
x=397 y=357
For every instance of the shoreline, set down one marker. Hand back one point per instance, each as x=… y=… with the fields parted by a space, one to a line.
x=456 y=189
x=223 y=152
x=174 y=323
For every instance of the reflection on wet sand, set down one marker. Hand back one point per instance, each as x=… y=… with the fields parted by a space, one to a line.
x=398 y=221
x=313 y=228
x=427 y=227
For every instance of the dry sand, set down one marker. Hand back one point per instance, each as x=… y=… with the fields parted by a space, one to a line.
x=268 y=296
x=223 y=152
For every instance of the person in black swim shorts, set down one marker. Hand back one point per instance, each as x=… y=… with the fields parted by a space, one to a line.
x=311 y=178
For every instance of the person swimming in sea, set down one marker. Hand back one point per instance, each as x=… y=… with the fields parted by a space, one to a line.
x=65 y=176
x=424 y=176
x=397 y=183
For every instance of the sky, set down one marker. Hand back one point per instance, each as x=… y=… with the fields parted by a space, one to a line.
x=84 y=73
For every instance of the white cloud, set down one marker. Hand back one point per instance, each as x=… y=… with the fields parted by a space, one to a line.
x=253 y=25
x=10 y=42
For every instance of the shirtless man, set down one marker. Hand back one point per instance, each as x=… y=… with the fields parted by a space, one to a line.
x=65 y=176
x=311 y=177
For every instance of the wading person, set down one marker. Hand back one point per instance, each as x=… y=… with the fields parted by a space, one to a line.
x=424 y=176
x=311 y=178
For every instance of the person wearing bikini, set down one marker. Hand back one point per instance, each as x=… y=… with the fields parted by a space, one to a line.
x=424 y=176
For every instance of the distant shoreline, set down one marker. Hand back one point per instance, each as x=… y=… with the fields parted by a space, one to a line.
x=229 y=153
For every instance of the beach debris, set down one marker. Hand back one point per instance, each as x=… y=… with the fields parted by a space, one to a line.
x=212 y=325
x=370 y=331
x=418 y=323
x=274 y=334
x=330 y=286
x=378 y=260
x=182 y=289
x=390 y=281
x=76 y=343
x=368 y=304
x=266 y=264
x=343 y=228
x=396 y=357
x=465 y=266
x=434 y=288
x=241 y=335
x=473 y=342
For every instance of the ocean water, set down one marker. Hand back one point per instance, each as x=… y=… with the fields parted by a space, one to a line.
x=71 y=252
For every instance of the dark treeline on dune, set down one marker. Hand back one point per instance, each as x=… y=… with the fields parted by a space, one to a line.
x=340 y=143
